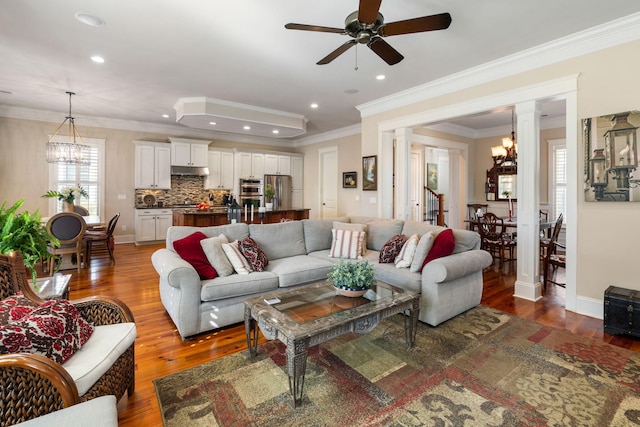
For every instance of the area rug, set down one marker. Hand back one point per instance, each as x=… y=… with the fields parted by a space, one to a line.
x=483 y=368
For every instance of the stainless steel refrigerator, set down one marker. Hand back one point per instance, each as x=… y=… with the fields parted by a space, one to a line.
x=282 y=188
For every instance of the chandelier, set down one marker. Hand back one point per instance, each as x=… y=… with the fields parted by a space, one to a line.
x=507 y=153
x=70 y=151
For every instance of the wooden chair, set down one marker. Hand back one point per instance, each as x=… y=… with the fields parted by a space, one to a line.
x=494 y=239
x=69 y=229
x=32 y=385
x=472 y=209
x=81 y=210
x=97 y=240
x=545 y=242
x=551 y=262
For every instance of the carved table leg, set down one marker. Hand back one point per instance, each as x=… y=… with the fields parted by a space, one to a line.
x=411 y=324
x=252 y=332
x=296 y=366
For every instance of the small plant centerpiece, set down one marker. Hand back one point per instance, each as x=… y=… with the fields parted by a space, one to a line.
x=268 y=196
x=25 y=233
x=352 y=279
x=68 y=195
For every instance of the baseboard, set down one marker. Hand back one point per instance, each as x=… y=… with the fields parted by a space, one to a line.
x=590 y=307
x=124 y=238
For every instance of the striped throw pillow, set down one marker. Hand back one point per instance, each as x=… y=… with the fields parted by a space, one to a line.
x=347 y=244
x=239 y=262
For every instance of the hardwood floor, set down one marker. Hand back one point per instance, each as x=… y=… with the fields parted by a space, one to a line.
x=160 y=351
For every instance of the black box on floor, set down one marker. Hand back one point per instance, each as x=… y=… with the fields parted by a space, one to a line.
x=622 y=311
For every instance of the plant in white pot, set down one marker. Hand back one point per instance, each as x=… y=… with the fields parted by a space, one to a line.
x=269 y=193
x=352 y=278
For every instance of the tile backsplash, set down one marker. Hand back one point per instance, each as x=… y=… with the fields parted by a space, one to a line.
x=182 y=188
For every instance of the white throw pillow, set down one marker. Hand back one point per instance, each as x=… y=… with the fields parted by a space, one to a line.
x=347 y=244
x=422 y=250
x=212 y=248
x=405 y=257
x=239 y=262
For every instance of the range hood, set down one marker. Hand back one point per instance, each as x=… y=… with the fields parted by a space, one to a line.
x=189 y=170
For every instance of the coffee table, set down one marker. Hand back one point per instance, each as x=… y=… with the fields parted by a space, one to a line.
x=310 y=315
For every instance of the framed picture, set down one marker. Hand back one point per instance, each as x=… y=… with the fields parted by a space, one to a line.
x=432 y=176
x=370 y=173
x=349 y=179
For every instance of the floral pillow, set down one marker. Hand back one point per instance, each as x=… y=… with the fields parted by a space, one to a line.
x=391 y=249
x=55 y=330
x=252 y=252
x=15 y=308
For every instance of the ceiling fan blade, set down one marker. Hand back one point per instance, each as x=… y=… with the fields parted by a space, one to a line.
x=416 y=25
x=304 y=27
x=385 y=51
x=368 y=11
x=339 y=51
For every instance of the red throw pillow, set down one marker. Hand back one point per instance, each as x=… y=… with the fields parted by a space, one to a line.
x=190 y=250
x=391 y=249
x=252 y=252
x=443 y=245
x=15 y=308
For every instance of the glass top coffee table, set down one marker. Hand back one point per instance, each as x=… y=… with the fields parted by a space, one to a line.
x=310 y=315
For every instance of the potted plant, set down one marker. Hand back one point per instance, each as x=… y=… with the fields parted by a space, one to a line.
x=352 y=278
x=25 y=233
x=269 y=193
x=68 y=195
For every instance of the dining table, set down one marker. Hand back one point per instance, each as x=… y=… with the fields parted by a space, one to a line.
x=93 y=221
x=512 y=222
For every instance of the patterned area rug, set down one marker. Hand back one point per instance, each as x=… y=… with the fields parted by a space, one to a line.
x=483 y=368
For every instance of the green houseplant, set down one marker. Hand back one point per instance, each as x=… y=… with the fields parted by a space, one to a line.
x=269 y=192
x=24 y=233
x=352 y=278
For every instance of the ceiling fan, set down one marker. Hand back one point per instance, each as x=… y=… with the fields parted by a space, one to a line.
x=366 y=26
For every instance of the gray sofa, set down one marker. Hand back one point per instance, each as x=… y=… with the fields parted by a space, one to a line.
x=298 y=255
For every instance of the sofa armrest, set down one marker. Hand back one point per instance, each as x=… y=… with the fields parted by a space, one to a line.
x=457 y=265
x=173 y=269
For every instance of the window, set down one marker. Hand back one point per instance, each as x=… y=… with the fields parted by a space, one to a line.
x=558 y=178
x=90 y=177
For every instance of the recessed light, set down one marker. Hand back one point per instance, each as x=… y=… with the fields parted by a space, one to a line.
x=212 y=123
x=275 y=131
x=89 y=19
x=314 y=105
x=381 y=77
x=166 y=116
x=98 y=59
x=247 y=127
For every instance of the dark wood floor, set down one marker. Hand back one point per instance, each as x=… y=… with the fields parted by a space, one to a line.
x=160 y=351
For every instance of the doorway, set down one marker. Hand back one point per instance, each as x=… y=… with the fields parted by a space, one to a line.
x=328 y=182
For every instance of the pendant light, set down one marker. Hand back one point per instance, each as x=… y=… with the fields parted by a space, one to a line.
x=72 y=151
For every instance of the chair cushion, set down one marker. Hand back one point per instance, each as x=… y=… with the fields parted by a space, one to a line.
x=92 y=360
x=190 y=250
x=390 y=250
x=15 y=308
x=443 y=245
x=252 y=252
x=99 y=412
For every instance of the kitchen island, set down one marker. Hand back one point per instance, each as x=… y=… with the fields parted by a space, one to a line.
x=206 y=218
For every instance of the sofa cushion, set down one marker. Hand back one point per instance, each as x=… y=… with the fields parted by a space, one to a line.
x=233 y=232
x=422 y=250
x=300 y=269
x=466 y=240
x=55 y=330
x=238 y=285
x=443 y=245
x=405 y=257
x=400 y=277
x=190 y=250
x=379 y=230
x=92 y=360
x=347 y=244
x=252 y=252
x=317 y=233
x=420 y=228
x=391 y=249
x=279 y=240
x=212 y=247
x=15 y=308
x=239 y=262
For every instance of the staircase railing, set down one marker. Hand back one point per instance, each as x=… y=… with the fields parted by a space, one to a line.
x=434 y=207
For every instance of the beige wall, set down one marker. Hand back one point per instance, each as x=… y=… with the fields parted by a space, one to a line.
x=606 y=232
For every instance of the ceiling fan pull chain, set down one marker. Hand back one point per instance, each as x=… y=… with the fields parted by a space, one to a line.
x=356 y=67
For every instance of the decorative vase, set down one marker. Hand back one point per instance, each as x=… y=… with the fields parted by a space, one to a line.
x=67 y=206
x=268 y=206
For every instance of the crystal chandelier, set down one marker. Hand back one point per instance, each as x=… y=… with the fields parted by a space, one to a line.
x=70 y=151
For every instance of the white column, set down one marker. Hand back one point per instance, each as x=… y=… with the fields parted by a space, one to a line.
x=528 y=205
x=402 y=172
x=385 y=178
x=453 y=203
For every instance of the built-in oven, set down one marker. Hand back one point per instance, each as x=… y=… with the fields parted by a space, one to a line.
x=250 y=192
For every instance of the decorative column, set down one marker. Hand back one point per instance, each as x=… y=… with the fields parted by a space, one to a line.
x=528 y=207
x=402 y=172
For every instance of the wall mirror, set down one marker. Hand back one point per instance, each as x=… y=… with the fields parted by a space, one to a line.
x=507 y=187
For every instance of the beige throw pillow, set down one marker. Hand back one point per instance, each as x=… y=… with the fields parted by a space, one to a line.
x=422 y=250
x=352 y=226
x=212 y=248
x=347 y=244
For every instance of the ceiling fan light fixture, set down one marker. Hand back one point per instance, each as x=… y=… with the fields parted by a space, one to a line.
x=70 y=151
x=88 y=19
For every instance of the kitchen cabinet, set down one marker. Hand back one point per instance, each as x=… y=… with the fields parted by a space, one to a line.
x=220 y=170
x=189 y=152
x=152 y=165
x=250 y=165
x=297 y=185
x=275 y=164
x=152 y=224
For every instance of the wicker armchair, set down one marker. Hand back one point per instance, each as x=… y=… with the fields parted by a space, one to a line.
x=33 y=385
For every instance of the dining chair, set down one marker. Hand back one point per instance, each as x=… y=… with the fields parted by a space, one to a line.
x=472 y=209
x=545 y=242
x=552 y=261
x=81 y=210
x=494 y=239
x=69 y=229
x=101 y=240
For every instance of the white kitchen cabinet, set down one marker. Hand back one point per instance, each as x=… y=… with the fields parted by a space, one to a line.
x=152 y=224
x=250 y=165
x=220 y=170
x=297 y=184
x=188 y=152
x=275 y=164
x=152 y=165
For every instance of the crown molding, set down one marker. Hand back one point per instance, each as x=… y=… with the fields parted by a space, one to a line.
x=600 y=37
x=453 y=129
x=328 y=136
